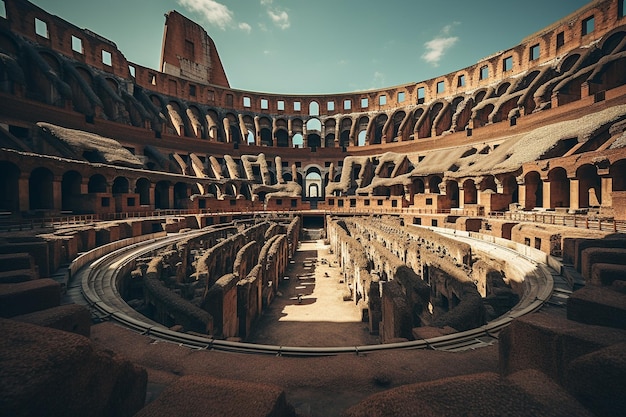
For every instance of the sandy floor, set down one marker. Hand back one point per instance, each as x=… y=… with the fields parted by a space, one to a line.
x=315 y=386
x=320 y=317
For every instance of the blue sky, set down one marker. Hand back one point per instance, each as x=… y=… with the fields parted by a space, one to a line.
x=324 y=46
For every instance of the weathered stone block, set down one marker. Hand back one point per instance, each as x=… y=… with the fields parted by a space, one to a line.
x=47 y=372
x=549 y=343
x=72 y=318
x=29 y=296
x=203 y=396
x=602 y=306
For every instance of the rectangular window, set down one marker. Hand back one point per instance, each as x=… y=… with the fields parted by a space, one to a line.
x=401 y=96
x=379 y=202
x=441 y=87
x=294 y=202
x=421 y=95
x=106 y=58
x=394 y=203
x=382 y=100
x=297 y=106
x=330 y=106
x=280 y=105
x=210 y=95
x=620 y=8
x=192 y=90
x=560 y=39
x=41 y=28
x=484 y=72
x=364 y=103
x=77 y=44
x=347 y=104
x=153 y=80
x=461 y=81
x=229 y=100
x=339 y=203
x=279 y=201
x=366 y=202
x=429 y=201
x=131 y=71
x=3 y=9
x=264 y=104
x=507 y=64
x=534 y=53
x=246 y=101
x=588 y=25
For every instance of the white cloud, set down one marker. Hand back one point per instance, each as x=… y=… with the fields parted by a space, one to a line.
x=379 y=79
x=280 y=18
x=215 y=13
x=266 y=2
x=245 y=27
x=438 y=46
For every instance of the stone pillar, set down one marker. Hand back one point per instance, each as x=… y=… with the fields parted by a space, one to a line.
x=607 y=191
x=574 y=201
x=57 y=202
x=546 y=193
x=461 y=197
x=257 y=128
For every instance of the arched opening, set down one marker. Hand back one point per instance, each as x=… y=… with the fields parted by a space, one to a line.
x=433 y=184
x=70 y=191
x=162 y=195
x=314 y=141
x=282 y=138
x=418 y=186
x=120 y=186
x=452 y=192
x=40 y=189
x=559 y=188
x=314 y=109
x=97 y=184
x=181 y=195
x=251 y=140
x=298 y=141
x=314 y=185
x=9 y=187
x=509 y=187
x=617 y=173
x=470 y=194
x=589 y=187
x=534 y=190
x=329 y=141
x=142 y=187
x=362 y=138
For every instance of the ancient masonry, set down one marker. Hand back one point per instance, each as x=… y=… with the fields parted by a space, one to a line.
x=489 y=200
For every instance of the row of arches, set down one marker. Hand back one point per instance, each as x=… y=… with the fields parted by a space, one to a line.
x=41 y=189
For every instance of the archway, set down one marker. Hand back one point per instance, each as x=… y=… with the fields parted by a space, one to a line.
x=70 y=191
x=9 y=187
x=142 y=187
x=559 y=188
x=40 y=189
x=534 y=190
x=589 y=186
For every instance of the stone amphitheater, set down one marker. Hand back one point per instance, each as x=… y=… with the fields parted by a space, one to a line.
x=170 y=245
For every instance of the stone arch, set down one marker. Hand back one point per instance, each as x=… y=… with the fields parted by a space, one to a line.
x=534 y=190
x=298 y=140
x=162 y=195
x=452 y=193
x=213 y=126
x=433 y=184
x=418 y=186
x=9 y=187
x=198 y=122
x=589 y=186
x=40 y=189
x=345 y=127
x=470 y=193
x=71 y=191
x=120 y=186
x=97 y=184
x=376 y=136
x=611 y=41
x=509 y=187
x=559 y=188
x=617 y=172
x=313 y=140
x=361 y=130
x=314 y=108
x=142 y=187
x=282 y=138
x=314 y=187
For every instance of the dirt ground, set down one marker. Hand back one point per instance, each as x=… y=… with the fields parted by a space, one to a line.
x=309 y=309
x=315 y=386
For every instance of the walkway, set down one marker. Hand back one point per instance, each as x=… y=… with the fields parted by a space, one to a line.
x=321 y=317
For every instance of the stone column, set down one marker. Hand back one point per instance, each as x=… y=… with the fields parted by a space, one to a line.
x=574 y=201
x=546 y=193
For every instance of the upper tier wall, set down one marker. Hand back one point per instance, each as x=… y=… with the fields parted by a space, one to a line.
x=536 y=50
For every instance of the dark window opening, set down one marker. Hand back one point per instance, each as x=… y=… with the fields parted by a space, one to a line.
x=588 y=25
x=192 y=90
x=484 y=72
x=507 y=63
x=461 y=81
x=560 y=39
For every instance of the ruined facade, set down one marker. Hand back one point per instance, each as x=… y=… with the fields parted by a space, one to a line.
x=525 y=149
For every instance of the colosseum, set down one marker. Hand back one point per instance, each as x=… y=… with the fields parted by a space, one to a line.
x=171 y=245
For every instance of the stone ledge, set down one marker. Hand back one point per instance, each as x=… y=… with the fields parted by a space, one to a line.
x=27 y=297
x=72 y=318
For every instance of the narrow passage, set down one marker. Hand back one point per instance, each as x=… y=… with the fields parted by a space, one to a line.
x=309 y=309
